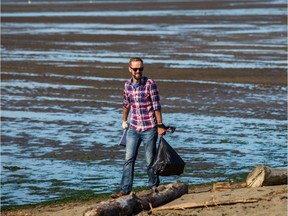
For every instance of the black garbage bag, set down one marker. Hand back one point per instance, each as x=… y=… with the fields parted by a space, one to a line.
x=167 y=161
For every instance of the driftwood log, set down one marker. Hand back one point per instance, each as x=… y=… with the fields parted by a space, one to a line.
x=135 y=203
x=221 y=186
x=204 y=204
x=266 y=176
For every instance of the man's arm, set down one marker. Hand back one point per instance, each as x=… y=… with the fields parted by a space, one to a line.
x=125 y=113
x=158 y=115
x=160 y=126
x=125 y=117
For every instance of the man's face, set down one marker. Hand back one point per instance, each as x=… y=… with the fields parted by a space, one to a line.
x=136 y=69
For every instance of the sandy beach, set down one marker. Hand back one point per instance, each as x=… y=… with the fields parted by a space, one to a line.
x=221 y=68
x=269 y=200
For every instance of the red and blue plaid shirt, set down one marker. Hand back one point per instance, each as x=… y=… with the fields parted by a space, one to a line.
x=142 y=100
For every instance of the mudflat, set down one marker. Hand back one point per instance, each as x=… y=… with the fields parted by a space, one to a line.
x=226 y=59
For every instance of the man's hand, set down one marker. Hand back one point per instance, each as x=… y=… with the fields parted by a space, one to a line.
x=161 y=129
x=125 y=124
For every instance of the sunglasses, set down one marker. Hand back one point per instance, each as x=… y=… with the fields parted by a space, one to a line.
x=136 y=69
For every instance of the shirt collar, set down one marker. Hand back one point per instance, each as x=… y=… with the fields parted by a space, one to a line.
x=142 y=82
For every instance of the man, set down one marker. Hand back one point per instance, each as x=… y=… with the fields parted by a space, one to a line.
x=141 y=97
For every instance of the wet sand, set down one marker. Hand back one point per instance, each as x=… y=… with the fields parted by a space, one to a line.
x=236 y=91
x=244 y=46
x=239 y=59
x=271 y=200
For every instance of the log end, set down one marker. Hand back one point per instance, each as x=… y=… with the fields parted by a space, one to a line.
x=256 y=177
x=266 y=176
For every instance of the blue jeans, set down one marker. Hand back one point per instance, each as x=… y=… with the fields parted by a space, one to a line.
x=133 y=141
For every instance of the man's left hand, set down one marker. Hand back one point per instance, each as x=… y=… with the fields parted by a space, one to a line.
x=161 y=130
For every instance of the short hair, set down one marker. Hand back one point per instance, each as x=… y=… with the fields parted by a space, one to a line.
x=135 y=59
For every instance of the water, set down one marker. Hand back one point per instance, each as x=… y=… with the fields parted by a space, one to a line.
x=61 y=106
x=46 y=146
x=195 y=42
x=154 y=13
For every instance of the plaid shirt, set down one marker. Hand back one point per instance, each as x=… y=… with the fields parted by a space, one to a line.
x=143 y=101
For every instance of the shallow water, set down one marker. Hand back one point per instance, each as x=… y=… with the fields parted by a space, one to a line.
x=57 y=149
x=154 y=13
x=183 y=45
x=60 y=129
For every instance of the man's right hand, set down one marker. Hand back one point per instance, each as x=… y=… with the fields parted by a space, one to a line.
x=125 y=124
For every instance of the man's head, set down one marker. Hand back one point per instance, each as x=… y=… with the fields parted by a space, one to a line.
x=136 y=68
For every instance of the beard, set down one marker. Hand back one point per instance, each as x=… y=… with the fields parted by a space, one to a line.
x=137 y=76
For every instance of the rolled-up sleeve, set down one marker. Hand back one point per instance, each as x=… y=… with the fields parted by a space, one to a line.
x=126 y=102
x=155 y=96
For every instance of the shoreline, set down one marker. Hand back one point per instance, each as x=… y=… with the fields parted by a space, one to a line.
x=202 y=191
x=95 y=198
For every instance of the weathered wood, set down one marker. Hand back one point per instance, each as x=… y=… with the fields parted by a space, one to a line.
x=221 y=186
x=266 y=176
x=135 y=203
x=203 y=204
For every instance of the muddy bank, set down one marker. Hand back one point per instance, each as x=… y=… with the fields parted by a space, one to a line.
x=272 y=200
